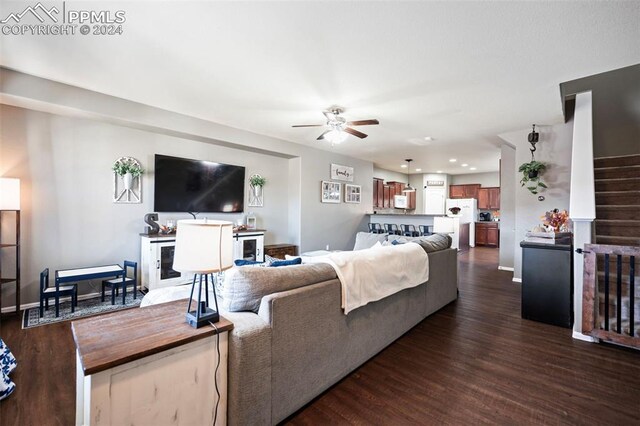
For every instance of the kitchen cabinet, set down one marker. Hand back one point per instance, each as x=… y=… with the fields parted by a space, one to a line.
x=378 y=193
x=386 y=203
x=487 y=234
x=397 y=188
x=464 y=191
x=489 y=198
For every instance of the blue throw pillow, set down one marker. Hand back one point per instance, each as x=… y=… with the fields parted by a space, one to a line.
x=396 y=242
x=296 y=261
x=244 y=262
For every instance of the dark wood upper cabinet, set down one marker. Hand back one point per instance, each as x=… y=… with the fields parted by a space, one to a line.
x=489 y=198
x=378 y=193
x=464 y=191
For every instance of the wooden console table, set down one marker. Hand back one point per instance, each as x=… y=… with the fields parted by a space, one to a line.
x=280 y=250
x=148 y=366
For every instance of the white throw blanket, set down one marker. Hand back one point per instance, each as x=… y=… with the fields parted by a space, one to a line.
x=375 y=273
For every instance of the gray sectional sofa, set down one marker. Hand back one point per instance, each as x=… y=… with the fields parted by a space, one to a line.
x=299 y=342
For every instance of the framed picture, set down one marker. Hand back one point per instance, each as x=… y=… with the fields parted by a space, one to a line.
x=352 y=193
x=339 y=172
x=331 y=192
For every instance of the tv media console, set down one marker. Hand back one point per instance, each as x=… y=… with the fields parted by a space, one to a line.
x=157 y=257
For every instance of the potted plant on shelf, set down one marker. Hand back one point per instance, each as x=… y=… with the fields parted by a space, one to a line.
x=531 y=172
x=128 y=171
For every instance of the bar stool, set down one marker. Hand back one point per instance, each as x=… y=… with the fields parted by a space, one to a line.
x=425 y=230
x=392 y=229
x=375 y=228
x=409 y=231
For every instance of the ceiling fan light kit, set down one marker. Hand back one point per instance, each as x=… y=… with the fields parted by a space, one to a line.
x=339 y=127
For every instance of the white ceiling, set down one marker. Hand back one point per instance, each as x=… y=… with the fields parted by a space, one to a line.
x=460 y=72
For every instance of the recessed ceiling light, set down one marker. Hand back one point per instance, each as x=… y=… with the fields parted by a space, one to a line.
x=472 y=168
x=452 y=160
x=428 y=138
x=418 y=170
x=404 y=166
x=464 y=165
x=439 y=171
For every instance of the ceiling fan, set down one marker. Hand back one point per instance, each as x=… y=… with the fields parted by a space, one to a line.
x=338 y=126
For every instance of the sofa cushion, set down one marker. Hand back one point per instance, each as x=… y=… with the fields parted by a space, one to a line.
x=245 y=287
x=365 y=240
x=429 y=243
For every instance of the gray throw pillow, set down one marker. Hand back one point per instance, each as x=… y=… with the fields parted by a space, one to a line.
x=429 y=243
x=244 y=287
x=365 y=240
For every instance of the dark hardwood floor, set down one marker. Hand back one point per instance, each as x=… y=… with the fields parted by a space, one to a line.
x=475 y=361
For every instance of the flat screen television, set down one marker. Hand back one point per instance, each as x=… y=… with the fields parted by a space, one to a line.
x=183 y=185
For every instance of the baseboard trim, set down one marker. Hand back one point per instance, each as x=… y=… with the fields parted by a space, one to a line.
x=10 y=309
x=505 y=268
x=517 y=280
x=579 y=336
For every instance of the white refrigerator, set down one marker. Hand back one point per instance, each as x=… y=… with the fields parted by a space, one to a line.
x=468 y=214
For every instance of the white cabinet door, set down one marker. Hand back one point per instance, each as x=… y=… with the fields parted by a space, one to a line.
x=434 y=199
x=248 y=247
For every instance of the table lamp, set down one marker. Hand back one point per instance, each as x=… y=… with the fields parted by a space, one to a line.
x=203 y=247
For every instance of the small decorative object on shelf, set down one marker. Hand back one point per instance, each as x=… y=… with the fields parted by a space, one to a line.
x=455 y=210
x=127 y=181
x=256 y=195
x=556 y=220
x=555 y=228
x=251 y=221
x=151 y=219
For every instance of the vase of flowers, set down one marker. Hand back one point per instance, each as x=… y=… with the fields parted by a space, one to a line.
x=556 y=220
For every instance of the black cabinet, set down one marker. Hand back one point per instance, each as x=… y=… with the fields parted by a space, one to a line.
x=547 y=283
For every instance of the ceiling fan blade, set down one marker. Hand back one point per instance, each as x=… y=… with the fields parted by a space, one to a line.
x=322 y=135
x=363 y=122
x=330 y=116
x=307 y=125
x=354 y=132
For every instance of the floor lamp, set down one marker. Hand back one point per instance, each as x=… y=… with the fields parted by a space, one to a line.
x=10 y=202
x=203 y=247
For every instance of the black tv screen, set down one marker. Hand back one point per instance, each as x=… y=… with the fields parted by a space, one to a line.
x=183 y=185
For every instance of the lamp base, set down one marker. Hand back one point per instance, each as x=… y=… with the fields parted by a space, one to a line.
x=204 y=317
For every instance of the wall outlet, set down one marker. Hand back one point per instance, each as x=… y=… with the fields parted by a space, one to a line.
x=327 y=247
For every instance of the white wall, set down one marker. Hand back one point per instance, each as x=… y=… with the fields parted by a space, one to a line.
x=389 y=175
x=487 y=179
x=61 y=141
x=554 y=149
x=69 y=218
x=507 y=205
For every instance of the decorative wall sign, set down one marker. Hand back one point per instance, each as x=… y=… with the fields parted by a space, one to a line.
x=435 y=183
x=331 y=192
x=339 y=172
x=352 y=193
x=127 y=181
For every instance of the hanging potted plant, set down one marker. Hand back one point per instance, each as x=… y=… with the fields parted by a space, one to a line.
x=128 y=171
x=256 y=182
x=531 y=172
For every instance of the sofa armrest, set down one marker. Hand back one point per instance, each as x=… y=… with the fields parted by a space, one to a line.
x=249 y=387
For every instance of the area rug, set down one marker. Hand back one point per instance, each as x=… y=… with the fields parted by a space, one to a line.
x=86 y=308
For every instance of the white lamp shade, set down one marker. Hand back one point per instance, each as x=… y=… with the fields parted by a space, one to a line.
x=203 y=246
x=9 y=194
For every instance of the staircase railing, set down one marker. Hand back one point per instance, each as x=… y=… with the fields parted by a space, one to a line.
x=609 y=310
